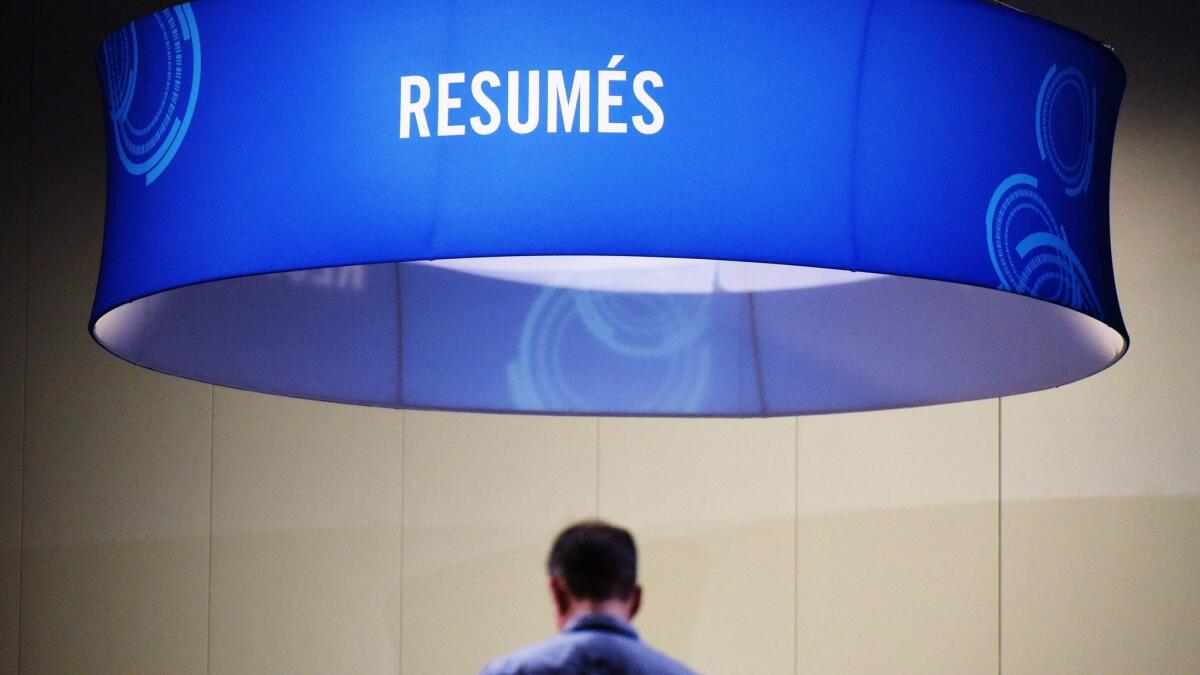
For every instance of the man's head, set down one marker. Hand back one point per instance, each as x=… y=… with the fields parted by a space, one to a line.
x=593 y=568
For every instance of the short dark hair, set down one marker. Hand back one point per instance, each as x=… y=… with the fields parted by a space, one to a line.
x=595 y=560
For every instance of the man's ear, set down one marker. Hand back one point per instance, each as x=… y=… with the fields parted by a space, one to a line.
x=635 y=601
x=558 y=592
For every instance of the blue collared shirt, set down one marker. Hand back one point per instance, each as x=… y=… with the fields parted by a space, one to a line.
x=591 y=644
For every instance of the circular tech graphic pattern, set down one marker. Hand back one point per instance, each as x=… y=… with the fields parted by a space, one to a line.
x=151 y=70
x=662 y=333
x=1066 y=126
x=1030 y=250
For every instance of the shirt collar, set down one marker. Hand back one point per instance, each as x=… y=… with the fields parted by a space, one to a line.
x=604 y=623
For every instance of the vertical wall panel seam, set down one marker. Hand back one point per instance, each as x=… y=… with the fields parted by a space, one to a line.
x=31 y=54
x=1000 y=535
x=212 y=455
x=796 y=545
x=403 y=546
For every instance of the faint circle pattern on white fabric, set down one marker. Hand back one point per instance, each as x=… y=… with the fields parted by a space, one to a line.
x=661 y=337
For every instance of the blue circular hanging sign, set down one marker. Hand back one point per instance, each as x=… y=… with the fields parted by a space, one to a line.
x=619 y=208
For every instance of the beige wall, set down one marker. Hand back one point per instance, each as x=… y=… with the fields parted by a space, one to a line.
x=15 y=53
x=155 y=525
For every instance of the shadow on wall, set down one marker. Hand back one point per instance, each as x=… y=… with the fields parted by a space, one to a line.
x=1127 y=562
x=103 y=601
x=910 y=590
x=306 y=601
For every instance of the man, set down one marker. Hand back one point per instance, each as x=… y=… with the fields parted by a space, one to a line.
x=593 y=581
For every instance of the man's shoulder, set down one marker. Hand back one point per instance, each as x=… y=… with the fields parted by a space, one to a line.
x=587 y=652
x=535 y=658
